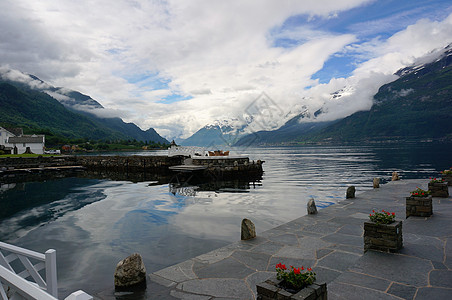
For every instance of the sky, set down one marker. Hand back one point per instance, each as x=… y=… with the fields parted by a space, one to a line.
x=178 y=65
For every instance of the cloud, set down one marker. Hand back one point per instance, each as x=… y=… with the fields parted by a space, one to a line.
x=179 y=65
x=419 y=43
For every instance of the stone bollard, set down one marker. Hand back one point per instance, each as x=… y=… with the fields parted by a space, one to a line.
x=350 y=192
x=312 y=209
x=248 y=230
x=376 y=182
x=130 y=272
x=395 y=176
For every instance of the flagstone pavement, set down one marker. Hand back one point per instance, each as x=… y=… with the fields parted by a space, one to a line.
x=331 y=242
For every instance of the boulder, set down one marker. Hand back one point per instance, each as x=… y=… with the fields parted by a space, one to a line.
x=312 y=209
x=395 y=176
x=350 y=192
x=248 y=230
x=376 y=182
x=130 y=271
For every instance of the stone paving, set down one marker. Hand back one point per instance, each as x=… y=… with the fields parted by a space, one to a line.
x=331 y=242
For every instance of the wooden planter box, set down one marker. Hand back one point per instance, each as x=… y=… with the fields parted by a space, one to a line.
x=419 y=206
x=269 y=290
x=438 y=189
x=383 y=237
x=448 y=179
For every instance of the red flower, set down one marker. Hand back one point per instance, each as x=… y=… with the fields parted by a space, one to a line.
x=309 y=269
x=296 y=271
x=283 y=267
x=302 y=268
x=393 y=214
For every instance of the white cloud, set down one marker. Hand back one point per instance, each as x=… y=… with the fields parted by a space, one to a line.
x=220 y=55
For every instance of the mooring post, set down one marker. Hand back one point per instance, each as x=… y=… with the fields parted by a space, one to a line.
x=248 y=230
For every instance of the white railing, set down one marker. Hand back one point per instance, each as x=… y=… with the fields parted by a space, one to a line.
x=19 y=264
x=186 y=151
x=19 y=288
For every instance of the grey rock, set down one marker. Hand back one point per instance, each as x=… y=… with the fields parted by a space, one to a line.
x=350 y=192
x=376 y=182
x=130 y=271
x=248 y=230
x=312 y=209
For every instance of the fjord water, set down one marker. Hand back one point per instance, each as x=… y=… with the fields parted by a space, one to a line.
x=94 y=223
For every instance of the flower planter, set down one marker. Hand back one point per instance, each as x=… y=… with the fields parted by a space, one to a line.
x=419 y=206
x=270 y=290
x=448 y=178
x=438 y=189
x=383 y=237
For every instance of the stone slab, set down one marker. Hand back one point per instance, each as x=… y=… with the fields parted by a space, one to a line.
x=253 y=260
x=226 y=268
x=434 y=293
x=339 y=261
x=224 y=287
x=441 y=278
x=364 y=280
x=337 y=290
x=398 y=268
x=402 y=291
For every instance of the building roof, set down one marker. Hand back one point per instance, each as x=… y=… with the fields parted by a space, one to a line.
x=16 y=131
x=26 y=139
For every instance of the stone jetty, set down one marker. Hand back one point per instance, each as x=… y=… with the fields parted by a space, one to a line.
x=331 y=242
x=134 y=166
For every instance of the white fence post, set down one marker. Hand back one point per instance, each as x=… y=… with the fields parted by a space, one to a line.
x=51 y=272
x=79 y=295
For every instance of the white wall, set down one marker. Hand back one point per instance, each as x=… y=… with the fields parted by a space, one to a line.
x=34 y=147
x=4 y=135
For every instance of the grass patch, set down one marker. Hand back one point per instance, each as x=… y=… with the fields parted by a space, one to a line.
x=26 y=155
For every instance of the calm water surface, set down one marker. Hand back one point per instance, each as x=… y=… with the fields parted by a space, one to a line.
x=95 y=223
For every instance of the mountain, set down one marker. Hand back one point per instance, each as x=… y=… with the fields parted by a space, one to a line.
x=27 y=101
x=415 y=107
x=261 y=114
x=218 y=134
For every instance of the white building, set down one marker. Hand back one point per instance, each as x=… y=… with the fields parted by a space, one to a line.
x=13 y=139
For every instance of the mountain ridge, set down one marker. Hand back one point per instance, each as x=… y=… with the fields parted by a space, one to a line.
x=31 y=102
x=415 y=107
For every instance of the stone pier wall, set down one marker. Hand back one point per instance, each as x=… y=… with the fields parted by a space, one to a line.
x=217 y=169
x=37 y=162
x=131 y=164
